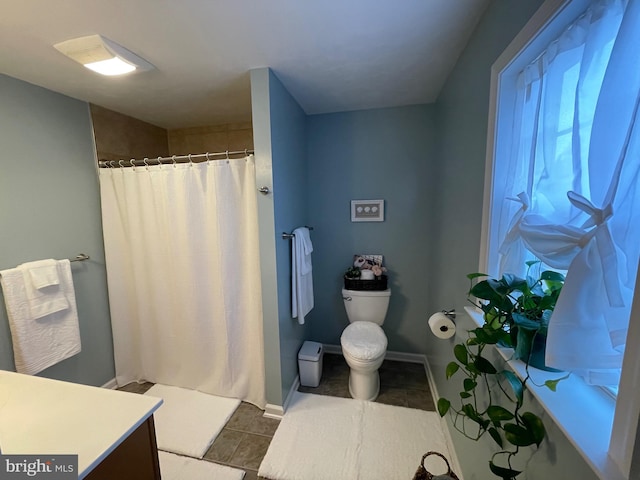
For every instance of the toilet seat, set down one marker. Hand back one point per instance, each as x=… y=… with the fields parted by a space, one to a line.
x=364 y=340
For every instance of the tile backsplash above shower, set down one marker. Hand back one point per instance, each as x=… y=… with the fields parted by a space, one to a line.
x=119 y=137
x=216 y=138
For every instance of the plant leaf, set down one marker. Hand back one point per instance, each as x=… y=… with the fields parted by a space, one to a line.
x=451 y=369
x=551 y=276
x=553 y=384
x=460 y=353
x=443 y=406
x=471 y=276
x=534 y=424
x=484 y=365
x=485 y=290
x=471 y=368
x=526 y=323
x=471 y=413
x=516 y=385
x=465 y=395
x=469 y=384
x=517 y=435
x=496 y=436
x=504 y=473
x=490 y=335
x=497 y=413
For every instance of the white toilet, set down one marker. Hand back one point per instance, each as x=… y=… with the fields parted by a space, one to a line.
x=364 y=343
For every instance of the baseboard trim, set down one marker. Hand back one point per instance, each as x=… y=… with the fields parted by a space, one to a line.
x=277 y=411
x=273 y=411
x=328 y=348
x=390 y=355
x=111 y=384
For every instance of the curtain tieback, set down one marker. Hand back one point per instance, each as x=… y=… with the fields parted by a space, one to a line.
x=513 y=232
x=598 y=218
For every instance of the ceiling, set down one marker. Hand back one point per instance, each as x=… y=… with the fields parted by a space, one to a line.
x=332 y=55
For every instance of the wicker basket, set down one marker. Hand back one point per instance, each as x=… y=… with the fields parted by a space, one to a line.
x=423 y=474
x=379 y=283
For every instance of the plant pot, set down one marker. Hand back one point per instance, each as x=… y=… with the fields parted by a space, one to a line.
x=531 y=346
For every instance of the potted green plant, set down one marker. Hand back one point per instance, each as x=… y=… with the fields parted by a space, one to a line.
x=521 y=307
x=516 y=312
x=352 y=273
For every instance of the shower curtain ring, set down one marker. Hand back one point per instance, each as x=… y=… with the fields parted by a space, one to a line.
x=120 y=163
x=173 y=157
x=132 y=163
x=190 y=160
x=207 y=156
x=146 y=163
x=227 y=152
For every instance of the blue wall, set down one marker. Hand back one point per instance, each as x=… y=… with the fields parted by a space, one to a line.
x=374 y=154
x=50 y=208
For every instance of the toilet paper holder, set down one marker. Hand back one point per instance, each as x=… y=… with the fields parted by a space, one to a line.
x=450 y=313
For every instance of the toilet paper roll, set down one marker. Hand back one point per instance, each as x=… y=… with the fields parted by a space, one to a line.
x=366 y=274
x=442 y=326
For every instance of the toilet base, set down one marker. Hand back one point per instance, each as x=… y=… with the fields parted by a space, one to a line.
x=364 y=385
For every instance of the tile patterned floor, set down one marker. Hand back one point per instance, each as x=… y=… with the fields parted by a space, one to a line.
x=244 y=440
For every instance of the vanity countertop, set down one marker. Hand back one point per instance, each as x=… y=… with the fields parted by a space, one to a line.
x=43 y=416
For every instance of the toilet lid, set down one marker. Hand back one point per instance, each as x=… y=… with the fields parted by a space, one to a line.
x=364 y=340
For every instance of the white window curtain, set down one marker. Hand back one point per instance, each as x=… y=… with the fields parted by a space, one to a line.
x=574 y=197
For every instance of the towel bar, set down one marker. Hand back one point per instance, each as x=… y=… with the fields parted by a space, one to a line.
x=289 y=236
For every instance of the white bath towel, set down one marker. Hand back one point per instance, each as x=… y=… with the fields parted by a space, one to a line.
x=301 y=274
x=41 y=342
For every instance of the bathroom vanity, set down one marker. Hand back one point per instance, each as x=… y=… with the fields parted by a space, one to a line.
x=112 y=432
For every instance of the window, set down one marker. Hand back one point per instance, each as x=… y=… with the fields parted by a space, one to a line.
x=568 y=195
x=563 y=183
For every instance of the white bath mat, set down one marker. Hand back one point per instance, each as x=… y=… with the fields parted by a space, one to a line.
x=189 y=421
x=330 y=438
x=175 y=467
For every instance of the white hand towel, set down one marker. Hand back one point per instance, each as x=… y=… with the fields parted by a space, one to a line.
x=301 y=274
x=43 y=273
x=45 y=299
x=40 y=343
x=303 y=238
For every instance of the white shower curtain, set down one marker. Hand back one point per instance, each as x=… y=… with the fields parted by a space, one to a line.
x=181 y=245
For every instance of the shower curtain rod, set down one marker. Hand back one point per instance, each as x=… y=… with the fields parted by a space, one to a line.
x=195 y=158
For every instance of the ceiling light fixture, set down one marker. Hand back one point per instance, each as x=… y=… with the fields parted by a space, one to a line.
x=102 y=55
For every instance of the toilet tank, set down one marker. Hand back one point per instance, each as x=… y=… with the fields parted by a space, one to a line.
x=366 y=305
